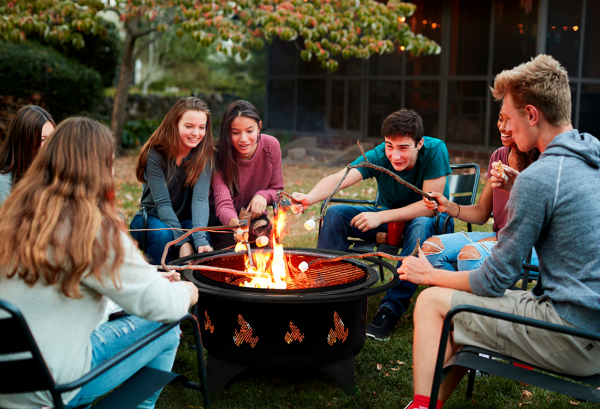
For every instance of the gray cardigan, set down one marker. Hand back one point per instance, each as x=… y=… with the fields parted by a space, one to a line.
x=165 y=197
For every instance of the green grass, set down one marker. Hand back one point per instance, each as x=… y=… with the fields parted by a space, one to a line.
x=390 y=387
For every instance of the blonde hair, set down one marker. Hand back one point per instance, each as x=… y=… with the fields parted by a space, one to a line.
x=49 y=225
x=541 y=82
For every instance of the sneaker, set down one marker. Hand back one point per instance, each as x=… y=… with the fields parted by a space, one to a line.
x=382 y=325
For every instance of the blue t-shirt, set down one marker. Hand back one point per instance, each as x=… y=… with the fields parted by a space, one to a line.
x=432 y=162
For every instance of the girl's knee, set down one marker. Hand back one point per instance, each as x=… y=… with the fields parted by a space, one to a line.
x=469 y=252
x=433 y=245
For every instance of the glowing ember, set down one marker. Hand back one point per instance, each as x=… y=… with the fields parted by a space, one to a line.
x=270 y=267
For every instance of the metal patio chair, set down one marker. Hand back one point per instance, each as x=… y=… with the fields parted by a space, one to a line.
x=584 y=388
x=28 y=372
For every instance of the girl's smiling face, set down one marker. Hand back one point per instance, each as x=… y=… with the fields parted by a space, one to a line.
x=192 y=128
x=244 y=135
x=505 y=134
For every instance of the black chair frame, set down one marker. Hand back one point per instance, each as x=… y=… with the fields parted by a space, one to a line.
x=468 y=357
x=31 y=373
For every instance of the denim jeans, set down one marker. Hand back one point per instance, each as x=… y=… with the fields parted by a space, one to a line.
x=156 y=240
x=114 y=336
x=336 y=230
x=446 y=258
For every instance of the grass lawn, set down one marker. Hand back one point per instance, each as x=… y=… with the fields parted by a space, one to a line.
x=389 y=387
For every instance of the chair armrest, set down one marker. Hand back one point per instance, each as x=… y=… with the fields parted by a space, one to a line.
x=127 y=352
x=437 y=375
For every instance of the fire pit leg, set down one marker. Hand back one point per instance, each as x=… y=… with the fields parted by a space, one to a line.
x=220 y=373
x=342 y=372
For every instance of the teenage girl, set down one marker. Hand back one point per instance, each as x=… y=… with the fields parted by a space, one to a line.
x=27 y=132
x=249 y=173
x=175 y=166
x=63 y=252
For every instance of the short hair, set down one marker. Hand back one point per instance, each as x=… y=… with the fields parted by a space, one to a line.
x=541 y=82
x=403 y=123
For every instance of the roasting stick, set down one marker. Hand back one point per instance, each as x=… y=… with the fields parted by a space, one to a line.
x=374 y=254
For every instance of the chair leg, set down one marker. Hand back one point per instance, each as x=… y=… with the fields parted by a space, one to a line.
x=471 y=383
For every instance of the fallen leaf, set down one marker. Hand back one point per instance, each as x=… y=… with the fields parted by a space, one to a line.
x=526 y=394
x=573 y=403
x=379 y=366
x=387 y=374
x=401 y=363
x=262 y=393
x=392 y=362
x=394 y=369
x=298 y=182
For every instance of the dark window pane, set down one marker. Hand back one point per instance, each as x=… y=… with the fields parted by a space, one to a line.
x=386 y=64
x=311 y=68
x=470 y=37
x=337 y=104
x=515 y=33
x=562 y=41
x=427 y=20
x=311 y=106
x=351 y=66
x=282 y=58
x=384 y=98
x=466 y=112
x=591 y=45
x=354 y=105
x=424 y=98
x=281 y=104
x=589 y=120
x=495 y=140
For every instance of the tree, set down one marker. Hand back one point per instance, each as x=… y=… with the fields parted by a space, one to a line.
x=327 y=29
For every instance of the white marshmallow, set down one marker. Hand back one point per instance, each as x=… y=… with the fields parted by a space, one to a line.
x=309 y=224
x=303 y=266
x=262 y=241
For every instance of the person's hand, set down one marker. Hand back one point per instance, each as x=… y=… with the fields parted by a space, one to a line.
x=302 y=198
x=193 y=292
x=186 y=250
x=366 y=221
x=204 y=249
x=257 y=206
x=416 y=270
x=498 y=181
x=172 y=275
x=441 y=205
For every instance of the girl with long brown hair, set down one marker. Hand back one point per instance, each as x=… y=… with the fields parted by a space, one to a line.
x=26 y=133
x=64 y=251
x=175 y=166
x=249 y=172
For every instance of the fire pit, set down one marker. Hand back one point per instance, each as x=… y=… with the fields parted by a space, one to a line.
x=317 y=321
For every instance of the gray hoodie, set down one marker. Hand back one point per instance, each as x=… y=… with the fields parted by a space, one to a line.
x=554 y=206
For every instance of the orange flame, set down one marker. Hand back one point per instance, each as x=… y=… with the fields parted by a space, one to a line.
x=270 y=267
x=240 y=247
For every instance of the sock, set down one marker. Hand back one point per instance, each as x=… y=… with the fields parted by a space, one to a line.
x=422 y=402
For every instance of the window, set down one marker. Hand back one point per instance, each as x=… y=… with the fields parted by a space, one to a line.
x=424 y=98
x=564 y=35
x=427 y=20
x=591 y=45
x=466 y=112
x=384 y=98
x=281 y=104
x=311 y=105
x=470 y=37
x=589 y=121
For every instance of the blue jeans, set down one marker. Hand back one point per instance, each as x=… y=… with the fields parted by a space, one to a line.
x=156 y=240
x=336 y=230
x=114 y=336
x=446 y=257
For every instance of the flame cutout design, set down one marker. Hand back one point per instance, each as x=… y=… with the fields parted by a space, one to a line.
x=294 y=334
x=244 y=334
x=340 y=333
x=208 y=324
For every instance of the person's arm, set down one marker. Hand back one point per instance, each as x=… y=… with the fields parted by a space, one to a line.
x=263 y=198
x=224 y=208
x=498 y=182
x=478 y=213
x=371 y=220
x=325 y=186
x=200 y=209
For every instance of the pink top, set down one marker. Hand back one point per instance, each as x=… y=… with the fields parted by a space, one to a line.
x=260 y=175
x=500 y=197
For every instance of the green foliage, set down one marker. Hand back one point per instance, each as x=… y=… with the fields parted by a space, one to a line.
x=69 y=87
x=136 y=133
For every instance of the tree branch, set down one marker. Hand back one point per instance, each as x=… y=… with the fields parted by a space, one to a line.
x=145 y=44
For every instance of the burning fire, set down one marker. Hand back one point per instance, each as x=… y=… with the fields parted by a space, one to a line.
x=269 y=267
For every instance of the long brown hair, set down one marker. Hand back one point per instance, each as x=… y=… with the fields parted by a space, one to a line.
x=61 y=221
x=23 y=140
x=227 y=163
x=166 y=141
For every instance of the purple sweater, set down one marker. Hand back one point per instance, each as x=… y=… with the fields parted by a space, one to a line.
x=500 y=197
x=260 y=175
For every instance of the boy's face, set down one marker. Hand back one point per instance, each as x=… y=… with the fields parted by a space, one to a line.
x=518 y=125
x=402 y=152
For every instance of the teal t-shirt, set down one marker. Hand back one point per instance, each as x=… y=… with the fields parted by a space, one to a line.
x=433 y=162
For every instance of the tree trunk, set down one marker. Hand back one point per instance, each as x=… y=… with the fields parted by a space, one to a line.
x=120 y=103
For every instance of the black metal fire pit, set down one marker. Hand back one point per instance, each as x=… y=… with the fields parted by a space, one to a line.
x=319 y=324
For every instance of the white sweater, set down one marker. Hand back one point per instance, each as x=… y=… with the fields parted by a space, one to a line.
x=62 y=326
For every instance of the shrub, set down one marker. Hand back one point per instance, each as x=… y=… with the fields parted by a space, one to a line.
x=69 y=88
x=137 y=132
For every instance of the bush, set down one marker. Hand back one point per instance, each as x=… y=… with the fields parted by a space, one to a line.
x=69 y=88
x=137 y=132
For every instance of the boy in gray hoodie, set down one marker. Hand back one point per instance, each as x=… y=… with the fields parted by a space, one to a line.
x=554 y=206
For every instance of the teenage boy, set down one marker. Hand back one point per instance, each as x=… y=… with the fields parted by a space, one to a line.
x=421 y=161
x=553 y=206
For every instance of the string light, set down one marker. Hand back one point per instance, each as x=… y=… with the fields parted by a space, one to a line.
x=565 y=28
x=575 y=28
x=402 y=19
x=425 y=22
x=553 y=27
x=520 y=25
x=433 y=25
x=402 y=48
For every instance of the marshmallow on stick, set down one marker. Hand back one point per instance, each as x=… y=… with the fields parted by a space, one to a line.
x=309 y=224
x=500 y=169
